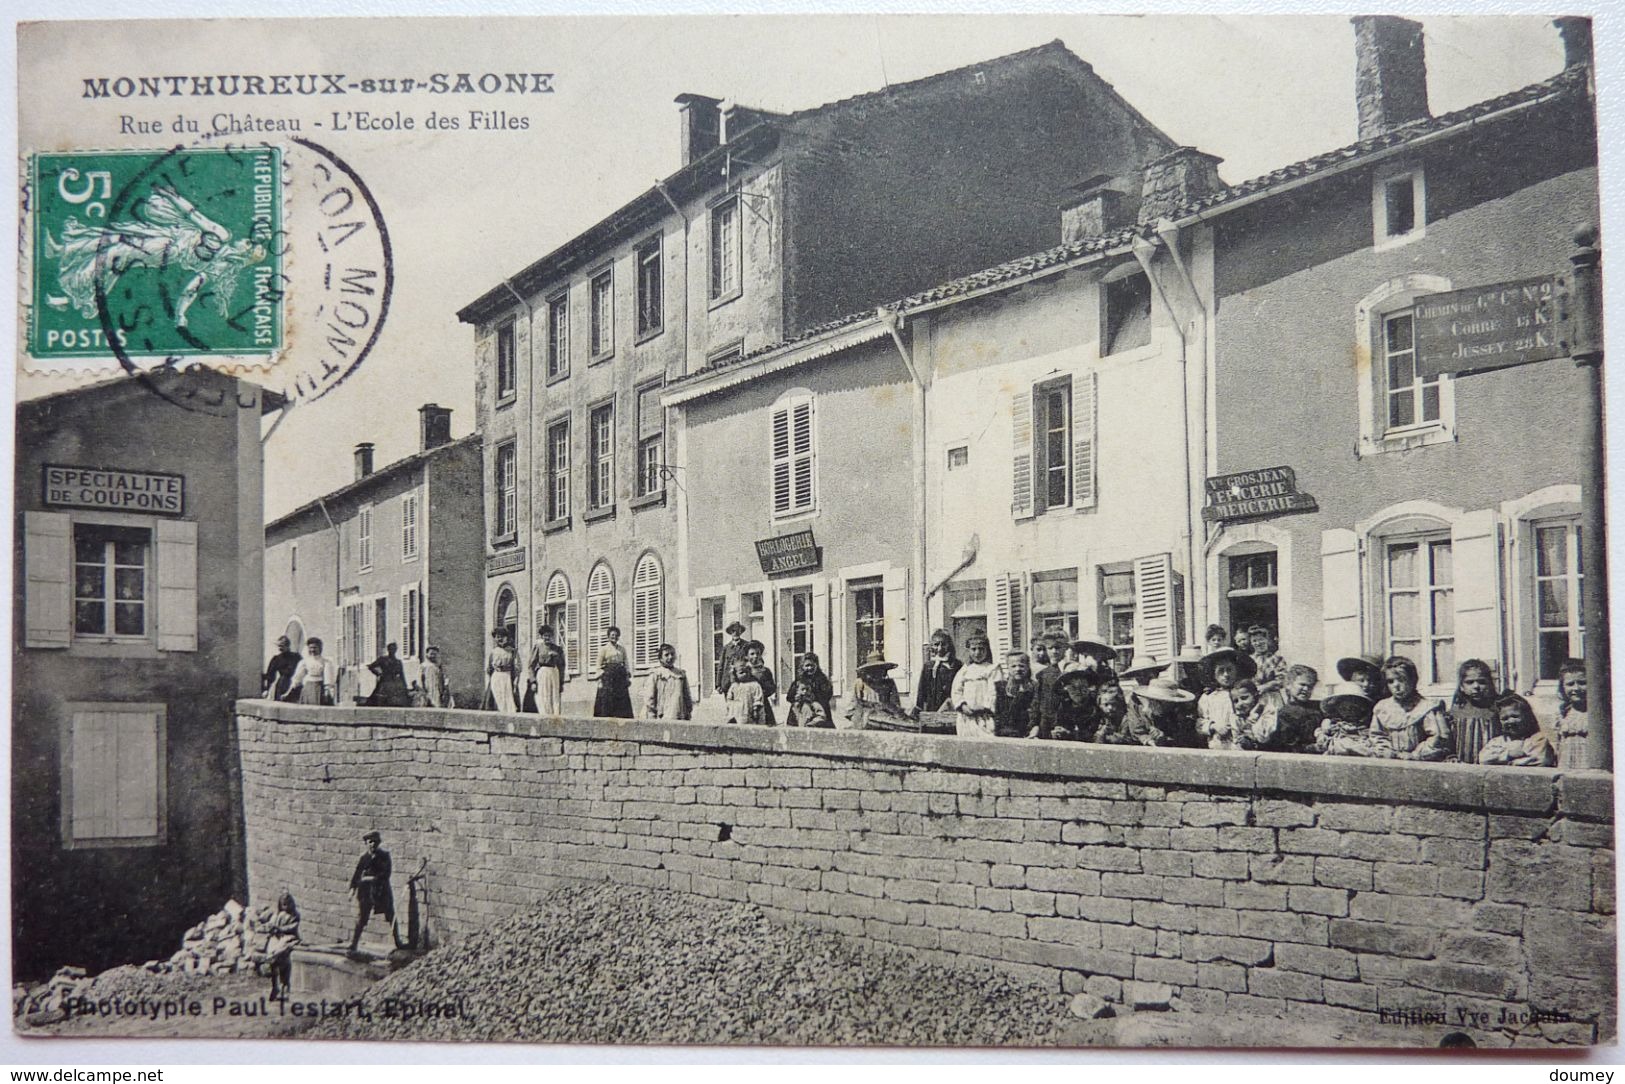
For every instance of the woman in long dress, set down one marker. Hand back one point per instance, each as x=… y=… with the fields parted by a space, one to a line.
x=314 y=677
x=502 y=672
x=614 y=699
x=546 y=669
x=390 y=691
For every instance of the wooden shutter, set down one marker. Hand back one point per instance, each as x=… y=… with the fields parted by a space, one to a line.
x=1006 y=615
x=801 y=439
x=48 y=593
x=114 y=776
x=1021 y=454
x=1154 y=606
x=571 y=635
x=1084 y=482
x=138 y=774
x=1341 y=592
x=409 y=526
x=781 y=461
x=895 y=596
x=177 y=585
x=647 y=604
x=1475 y=553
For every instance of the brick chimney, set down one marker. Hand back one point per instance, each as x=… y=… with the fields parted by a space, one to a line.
x=1181 y=176
x=434 y=423
x=363 y=460
x=701 y=124
x=1575 y=31
x=1091 y=211
x=1390 y=73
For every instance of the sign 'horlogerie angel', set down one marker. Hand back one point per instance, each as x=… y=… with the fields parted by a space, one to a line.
x=167 y=231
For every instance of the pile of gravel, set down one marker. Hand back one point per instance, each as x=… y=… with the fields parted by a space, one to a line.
x=614 y=964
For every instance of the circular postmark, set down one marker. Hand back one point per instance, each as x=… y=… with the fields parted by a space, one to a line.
x=241 y=257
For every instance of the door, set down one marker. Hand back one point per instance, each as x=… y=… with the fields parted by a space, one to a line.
x=796 y=635
x=712 y=619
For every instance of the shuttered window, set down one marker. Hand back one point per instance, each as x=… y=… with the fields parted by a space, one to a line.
x=507 y=498
x=794 y=457
x=364 y=538
x=110 y=581
x=409 y=527
x=1053 y=446
x=649 y=286
x=411 y=621
x=505 y=361
x=601 y=473
x=92 y=582
x=558 y=337
x=555 y=600
x=600 y=612
x=602 y=297
x=1156 y=613
x=651 y=441
x=648 y=612
x=1007 y=615
x=558 y=471
x=725 y=249
x=113 y=778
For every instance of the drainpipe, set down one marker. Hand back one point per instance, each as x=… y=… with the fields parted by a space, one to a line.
x=1205 y=376
x=1144 y=251
x=679 y=441
x=921 y=381
x=530 y=453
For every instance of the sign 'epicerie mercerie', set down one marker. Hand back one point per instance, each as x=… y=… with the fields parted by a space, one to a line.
x=1269 y=491
x=114 y=490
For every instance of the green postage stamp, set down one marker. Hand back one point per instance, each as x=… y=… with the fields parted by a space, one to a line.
x=163 y=253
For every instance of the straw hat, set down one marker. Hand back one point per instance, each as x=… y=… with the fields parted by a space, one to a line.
x=1341 y=693
x=1353 y=664
x=1080 y=676
x=1245 y=666
x=876 y=664
x=1164 y=689
x=1095 y=649
x=1143 y=666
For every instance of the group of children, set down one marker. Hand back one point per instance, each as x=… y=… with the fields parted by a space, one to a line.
x=1245 y=696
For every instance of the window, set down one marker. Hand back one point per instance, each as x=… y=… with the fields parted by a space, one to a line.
x=1412 y=400
x=600 y=612
x=725 y=250
x=409 y=527
x=868 y=616
x=796 y=639
x=352 y=633
x=648 y=612
x=965 y=608
x=1398 y=208
x=1252 y=589
x=564 y=614
x=505 y=362
x=380 y=627
x=507 y=611
x=1117 y=610
x=1126 y=319
x=1420 y=605
x=959 y=458
x=293 y=557
x=601 y=477
x=793 y=457
x=751 y=615
x=363 y=521
x=558 y=337
x=1052 y=428
x=649 y=287
x=1055 y=602
x=712 y=638
x=651 y=441
x=111 y=585
x=1559 y=583
x=507 y=498
x=113 y=775
x=602 y=300
x=558 y=471
x=411 y=621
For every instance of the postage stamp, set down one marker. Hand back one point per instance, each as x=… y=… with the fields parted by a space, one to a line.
x=163 y=253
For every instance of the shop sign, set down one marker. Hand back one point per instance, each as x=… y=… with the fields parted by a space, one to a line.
x=109 y=489
x=507 y=561
x=1492 y=327
x=1254 y=494
x=789 y=553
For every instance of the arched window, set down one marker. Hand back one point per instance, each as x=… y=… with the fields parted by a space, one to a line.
x=559 y=611
x=295 y=633
x=600 y=611
x=648 y=611
x=507 y=611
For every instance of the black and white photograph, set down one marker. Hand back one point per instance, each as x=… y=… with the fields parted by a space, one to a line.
x=826 y=531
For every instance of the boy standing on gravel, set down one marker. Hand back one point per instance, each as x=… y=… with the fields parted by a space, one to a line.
x=370 y=886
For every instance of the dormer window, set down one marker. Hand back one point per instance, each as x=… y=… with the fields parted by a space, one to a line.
x=1398 y=208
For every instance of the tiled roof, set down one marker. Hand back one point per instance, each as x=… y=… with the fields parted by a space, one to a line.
x=387 y=471
x=1563 y=84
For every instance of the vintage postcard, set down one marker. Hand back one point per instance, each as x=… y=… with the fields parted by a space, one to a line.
x=837 y=531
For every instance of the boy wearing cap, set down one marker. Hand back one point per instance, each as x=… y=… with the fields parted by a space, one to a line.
x=369 y=884
x=732 y=652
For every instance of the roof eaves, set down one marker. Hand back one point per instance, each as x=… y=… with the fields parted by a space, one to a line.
x=351 y=489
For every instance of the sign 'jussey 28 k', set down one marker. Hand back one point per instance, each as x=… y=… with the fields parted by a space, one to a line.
x=114 y=490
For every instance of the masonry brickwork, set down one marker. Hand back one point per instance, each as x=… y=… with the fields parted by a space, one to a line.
x=1418 y=898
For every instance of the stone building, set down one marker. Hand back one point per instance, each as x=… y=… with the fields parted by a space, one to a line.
x=1444 y=522
x=775 y=224
x=393 y=557
x=136 y=625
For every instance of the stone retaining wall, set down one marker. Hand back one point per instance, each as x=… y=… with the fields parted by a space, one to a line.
x=1411 y=897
